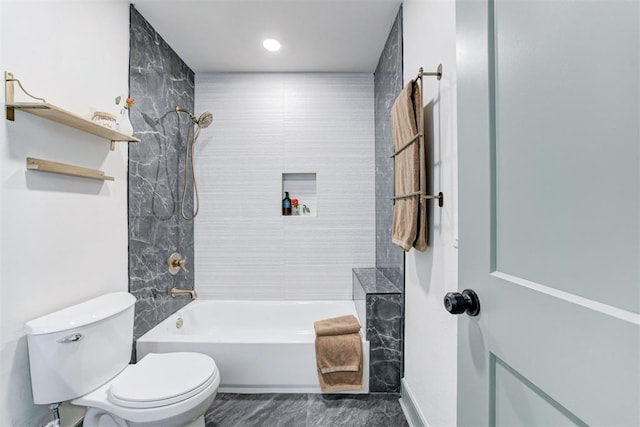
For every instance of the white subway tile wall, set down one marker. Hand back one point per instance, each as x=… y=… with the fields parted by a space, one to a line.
x=266 y=125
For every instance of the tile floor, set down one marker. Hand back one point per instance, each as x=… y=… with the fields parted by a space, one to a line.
x=305 y=410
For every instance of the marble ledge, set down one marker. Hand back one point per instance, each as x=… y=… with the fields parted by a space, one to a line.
x=373 y=281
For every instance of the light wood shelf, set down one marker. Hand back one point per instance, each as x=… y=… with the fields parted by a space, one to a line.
x=65 y=169
x=60 y=115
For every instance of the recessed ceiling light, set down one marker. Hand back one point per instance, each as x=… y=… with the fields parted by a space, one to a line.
x=272 y=45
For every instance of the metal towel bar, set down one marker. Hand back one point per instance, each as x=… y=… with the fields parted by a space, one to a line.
x=420 y=137
x=406 y=144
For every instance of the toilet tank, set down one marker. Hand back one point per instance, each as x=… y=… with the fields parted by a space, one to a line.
x=75 y=350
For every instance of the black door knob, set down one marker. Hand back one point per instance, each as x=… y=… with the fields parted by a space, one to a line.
x=467 y=301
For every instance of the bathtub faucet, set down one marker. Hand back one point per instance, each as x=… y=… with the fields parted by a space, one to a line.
x=175 y=292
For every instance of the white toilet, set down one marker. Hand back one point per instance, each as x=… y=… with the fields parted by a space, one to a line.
x=82 y=354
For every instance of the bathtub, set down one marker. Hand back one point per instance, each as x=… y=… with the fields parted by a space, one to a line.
x=259 y=346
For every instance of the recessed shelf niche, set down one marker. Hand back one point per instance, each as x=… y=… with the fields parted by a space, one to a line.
x=302 y=186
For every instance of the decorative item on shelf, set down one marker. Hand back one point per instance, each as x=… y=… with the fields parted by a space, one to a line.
x=102 y=124
x=124 y=125
x=306 y=210
x=286 y=204
x=104 y=119
x=295 y=207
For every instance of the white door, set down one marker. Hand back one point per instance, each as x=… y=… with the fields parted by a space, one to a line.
x=549 y=137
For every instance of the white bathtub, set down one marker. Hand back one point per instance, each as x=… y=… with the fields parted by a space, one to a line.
x=259 y=346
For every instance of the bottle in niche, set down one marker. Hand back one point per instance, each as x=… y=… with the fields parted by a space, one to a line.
x=295 y=209
x=286 y=204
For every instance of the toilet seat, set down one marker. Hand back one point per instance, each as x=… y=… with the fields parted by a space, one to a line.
x=158 y=408
x=162 y=379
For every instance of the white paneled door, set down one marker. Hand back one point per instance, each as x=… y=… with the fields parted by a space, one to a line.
x=549 y=137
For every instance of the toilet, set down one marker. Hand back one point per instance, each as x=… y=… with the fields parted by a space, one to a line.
x=81 y=354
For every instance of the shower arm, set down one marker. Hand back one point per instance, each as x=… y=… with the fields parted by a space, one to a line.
x=189 y=113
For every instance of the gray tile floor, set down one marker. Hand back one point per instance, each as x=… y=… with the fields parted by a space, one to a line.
x=305 y=410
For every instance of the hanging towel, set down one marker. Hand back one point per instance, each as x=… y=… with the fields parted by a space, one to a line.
x=409 y=216
x=339 y=354
x=421 y=233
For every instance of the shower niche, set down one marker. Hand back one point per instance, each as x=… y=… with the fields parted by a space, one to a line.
x=302 y=187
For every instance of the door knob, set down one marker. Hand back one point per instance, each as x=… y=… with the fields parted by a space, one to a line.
x=467 y=301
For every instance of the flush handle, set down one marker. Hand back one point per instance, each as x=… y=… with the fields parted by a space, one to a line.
x=70 y=338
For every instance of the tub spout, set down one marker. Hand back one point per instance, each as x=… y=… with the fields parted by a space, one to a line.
x=175 y=292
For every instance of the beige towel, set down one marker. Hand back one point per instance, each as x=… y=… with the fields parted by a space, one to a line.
x=337 y=326
x=339 y=354
x=409 y=214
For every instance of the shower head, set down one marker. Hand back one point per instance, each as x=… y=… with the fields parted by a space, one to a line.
x=203 y=121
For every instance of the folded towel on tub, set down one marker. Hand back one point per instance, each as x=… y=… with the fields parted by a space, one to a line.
x=337 y=326
x=339 y=354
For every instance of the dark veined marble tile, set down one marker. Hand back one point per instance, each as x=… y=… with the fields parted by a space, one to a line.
x=384 y=332
x=256 y=410
x=305 y=410
x=385 y=374
x=158 y=81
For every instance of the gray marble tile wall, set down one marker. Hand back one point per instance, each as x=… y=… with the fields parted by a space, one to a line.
x=387 y=86
x=380 y=303
x=378 y=292
x=158 y=81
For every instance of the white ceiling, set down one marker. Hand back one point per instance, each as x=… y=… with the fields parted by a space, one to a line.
x=316 y=35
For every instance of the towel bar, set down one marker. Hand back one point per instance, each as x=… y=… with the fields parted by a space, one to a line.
x=406 y=144
x=439 y=197
x=404 y=196
x=420 y=137
x=437 y=74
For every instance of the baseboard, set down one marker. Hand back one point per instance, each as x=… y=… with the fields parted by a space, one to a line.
x=411 y=410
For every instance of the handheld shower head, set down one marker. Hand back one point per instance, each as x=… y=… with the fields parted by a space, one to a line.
x=201 y=122
x=205 y=119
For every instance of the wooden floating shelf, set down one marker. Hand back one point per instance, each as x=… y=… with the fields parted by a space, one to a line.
x=65 y=169
x=60 y=115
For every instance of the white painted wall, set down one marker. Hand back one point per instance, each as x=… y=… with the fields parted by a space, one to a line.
x=265 y=125
x=430 y=332
x=64 y=239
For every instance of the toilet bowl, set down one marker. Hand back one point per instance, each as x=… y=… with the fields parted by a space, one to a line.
x=171 y=389
x=81 y=354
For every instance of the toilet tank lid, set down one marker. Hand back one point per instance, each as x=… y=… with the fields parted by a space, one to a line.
x=82 y=314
